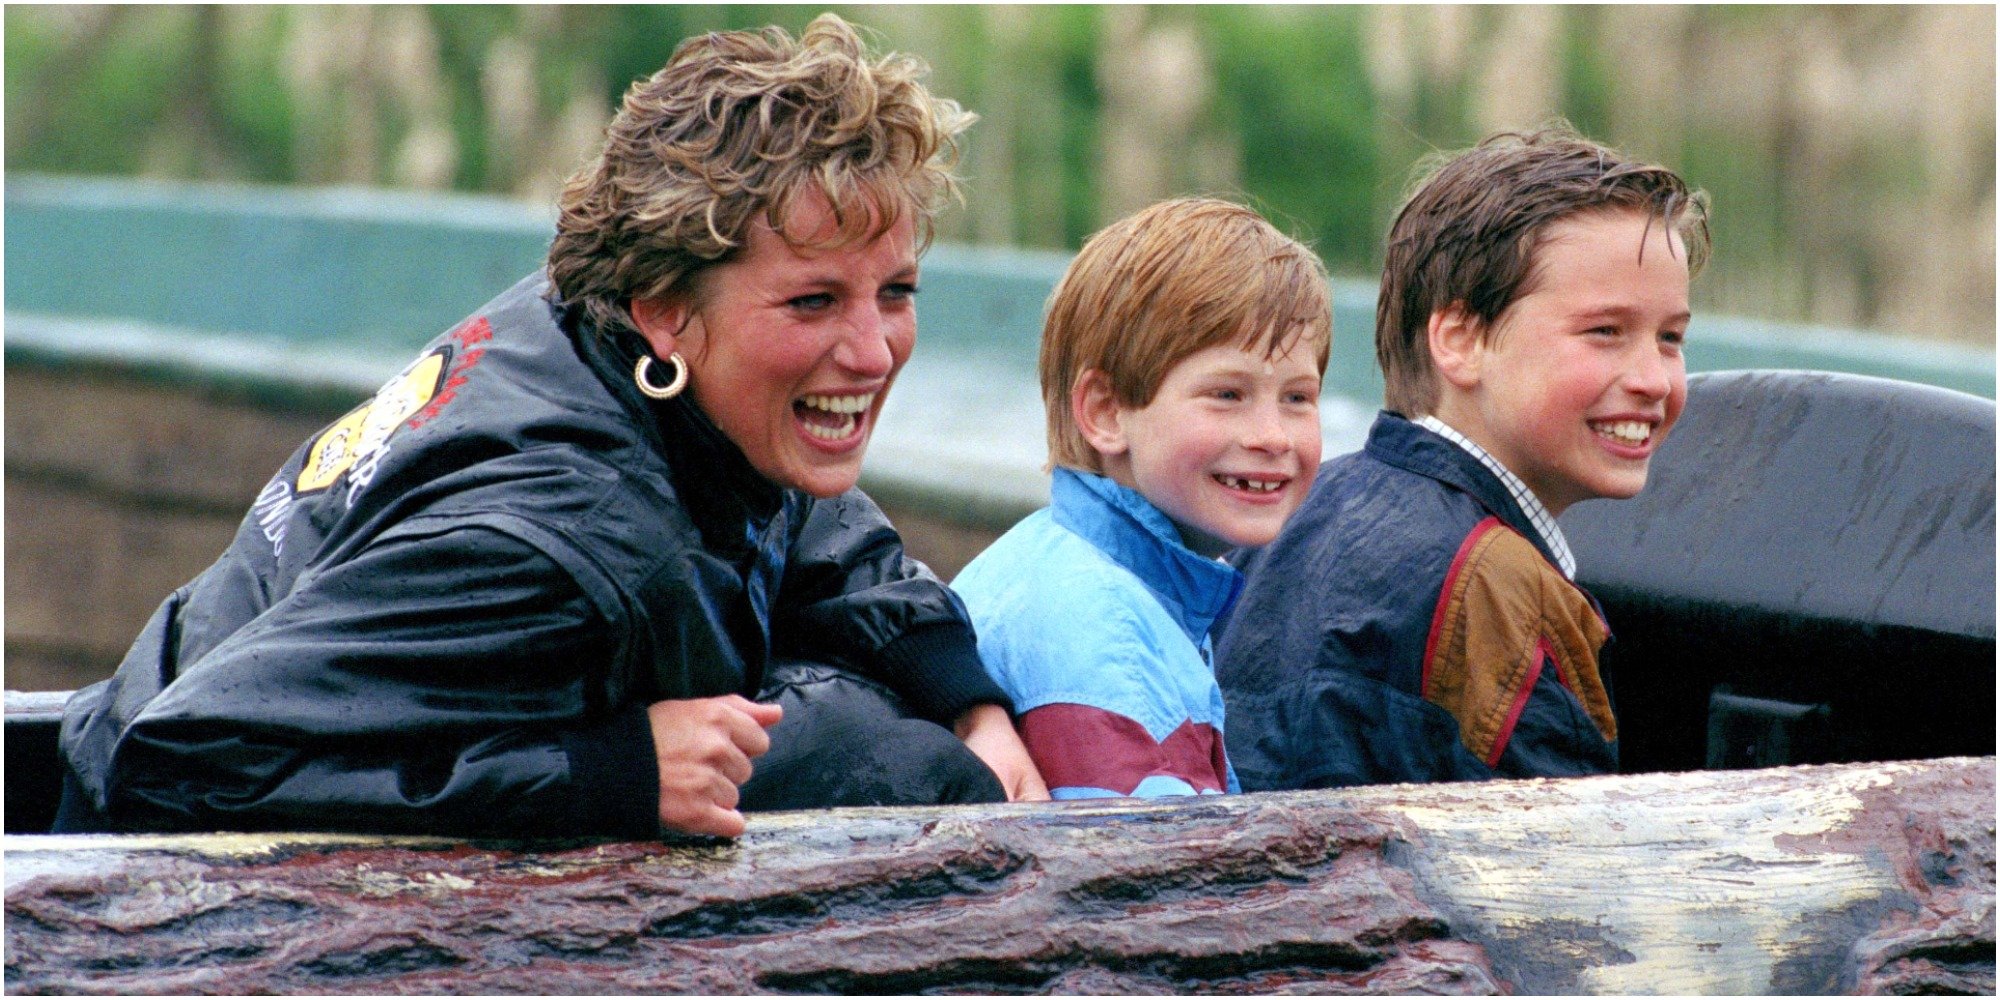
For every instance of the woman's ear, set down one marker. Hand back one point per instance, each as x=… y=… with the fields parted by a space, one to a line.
x=1457 y=344
x=1098 y=416
x=661 y=322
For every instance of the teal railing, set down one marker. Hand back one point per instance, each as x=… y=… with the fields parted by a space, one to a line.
x=289 y=291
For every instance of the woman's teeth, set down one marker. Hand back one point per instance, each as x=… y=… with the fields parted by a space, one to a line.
x=1632 y=432
x=840 y=404
x=832 y=433
x=833 y=418
x=1252 y=485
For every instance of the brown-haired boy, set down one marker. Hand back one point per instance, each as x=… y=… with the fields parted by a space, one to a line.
x=1417 y=620
x=1181 y=366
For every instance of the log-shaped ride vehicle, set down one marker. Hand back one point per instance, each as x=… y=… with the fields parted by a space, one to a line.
x=1803 y=605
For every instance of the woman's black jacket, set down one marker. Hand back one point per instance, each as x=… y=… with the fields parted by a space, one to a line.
x=449 y=610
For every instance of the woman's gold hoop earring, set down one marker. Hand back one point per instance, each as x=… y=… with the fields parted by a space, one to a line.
x=668 y=391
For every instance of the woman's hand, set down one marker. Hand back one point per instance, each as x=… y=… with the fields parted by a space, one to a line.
x=704 y=746
x=989 y=734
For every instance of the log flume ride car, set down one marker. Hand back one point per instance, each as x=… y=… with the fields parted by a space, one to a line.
x=1804 y=594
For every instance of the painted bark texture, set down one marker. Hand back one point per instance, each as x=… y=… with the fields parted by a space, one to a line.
x=1851 y=878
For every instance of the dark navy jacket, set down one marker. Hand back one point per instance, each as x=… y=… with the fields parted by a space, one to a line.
x=448 y=611
x=1409 y=625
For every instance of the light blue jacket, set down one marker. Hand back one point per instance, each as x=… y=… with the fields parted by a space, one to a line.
x=1095 y=618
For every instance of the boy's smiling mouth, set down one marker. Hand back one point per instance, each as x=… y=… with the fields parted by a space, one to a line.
x=1632 y=433
x=832 y=418
x=1251 y=485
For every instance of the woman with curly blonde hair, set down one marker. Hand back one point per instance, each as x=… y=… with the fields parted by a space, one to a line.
x=599 y=547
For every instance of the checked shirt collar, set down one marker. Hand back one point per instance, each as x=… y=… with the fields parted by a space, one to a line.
x=1538 y=515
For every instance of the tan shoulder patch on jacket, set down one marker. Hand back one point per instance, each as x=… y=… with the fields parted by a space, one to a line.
x=1503 y=605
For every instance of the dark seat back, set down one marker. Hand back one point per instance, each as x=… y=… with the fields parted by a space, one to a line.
x=34 y=764
x=1807 y=539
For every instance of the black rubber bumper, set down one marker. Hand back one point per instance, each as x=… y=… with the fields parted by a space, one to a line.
x=1814 y=539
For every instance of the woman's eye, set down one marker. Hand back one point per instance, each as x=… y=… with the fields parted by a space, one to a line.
x=811 y=303
x=1230 y=395
x=1301 y=398
x=901 y=291
x=1673 y=337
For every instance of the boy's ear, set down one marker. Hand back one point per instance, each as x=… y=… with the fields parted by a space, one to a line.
x=1098 y=416
x=1457 y=338
x=661 y=321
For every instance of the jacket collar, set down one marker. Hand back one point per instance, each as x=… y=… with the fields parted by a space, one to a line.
x=1404 y=444
x=1538 y=515
x=714 y=482
x=1134 y=534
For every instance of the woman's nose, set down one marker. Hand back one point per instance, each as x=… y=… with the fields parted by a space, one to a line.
x=865 y=349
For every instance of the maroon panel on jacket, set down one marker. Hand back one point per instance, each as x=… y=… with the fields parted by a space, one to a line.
x=1078 y=746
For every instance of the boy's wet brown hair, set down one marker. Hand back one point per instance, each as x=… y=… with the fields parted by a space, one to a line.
x=1170 y=280
x=1470 y=232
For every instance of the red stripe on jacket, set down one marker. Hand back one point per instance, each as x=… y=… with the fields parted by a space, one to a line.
x=1444 y=595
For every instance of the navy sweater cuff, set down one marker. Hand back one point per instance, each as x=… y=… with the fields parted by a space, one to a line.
x=615 y=777
x=937 y=669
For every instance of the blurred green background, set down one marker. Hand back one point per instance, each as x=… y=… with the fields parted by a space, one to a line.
x=1849 y=151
